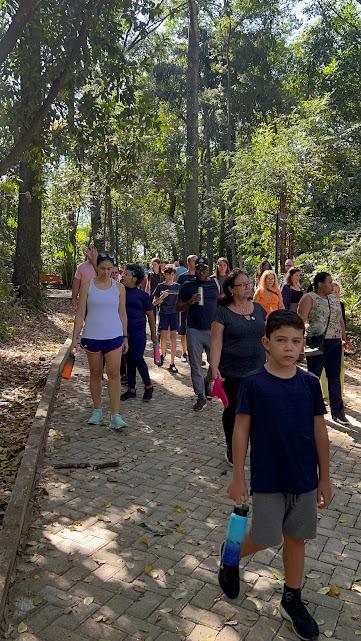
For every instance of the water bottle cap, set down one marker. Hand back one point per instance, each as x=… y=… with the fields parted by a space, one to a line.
x=241 y=510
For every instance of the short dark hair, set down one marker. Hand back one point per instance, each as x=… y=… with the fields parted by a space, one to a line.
x=319 y=278
x=283 y=318
x=137 y=271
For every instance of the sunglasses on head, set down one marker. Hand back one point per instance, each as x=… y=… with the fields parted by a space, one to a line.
x=105 y=255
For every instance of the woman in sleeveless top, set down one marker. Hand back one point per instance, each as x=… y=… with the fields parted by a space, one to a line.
x=291 y=290
x=102 y=320
x=321 y=311
x=268 y=293
x=222 y=271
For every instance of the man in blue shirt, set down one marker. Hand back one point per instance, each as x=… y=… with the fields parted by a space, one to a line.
x=280 y=411
x=199 y=298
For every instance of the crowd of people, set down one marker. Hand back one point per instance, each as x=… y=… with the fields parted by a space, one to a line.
x=252 y=333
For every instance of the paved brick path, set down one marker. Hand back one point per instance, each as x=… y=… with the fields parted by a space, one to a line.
x=131 y=553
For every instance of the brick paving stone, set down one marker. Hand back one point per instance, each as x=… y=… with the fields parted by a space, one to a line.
x=164 y=510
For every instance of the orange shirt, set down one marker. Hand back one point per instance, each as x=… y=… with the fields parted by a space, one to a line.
x=269 y=299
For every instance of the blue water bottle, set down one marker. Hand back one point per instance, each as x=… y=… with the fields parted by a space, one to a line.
x=236 y=532
x=228 y=574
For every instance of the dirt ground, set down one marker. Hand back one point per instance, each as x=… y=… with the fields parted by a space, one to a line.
x=30 y=342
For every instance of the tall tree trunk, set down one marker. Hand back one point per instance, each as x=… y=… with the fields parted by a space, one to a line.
x=109 y=217
x=191 y=214
x=283 y=223
x=16 y=27
x=231 y=249
x=222 y=233
x=95 y=215
x=28 y=238
x=207 y=163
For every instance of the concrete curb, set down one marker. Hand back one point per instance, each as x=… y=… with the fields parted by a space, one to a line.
x=17 y=509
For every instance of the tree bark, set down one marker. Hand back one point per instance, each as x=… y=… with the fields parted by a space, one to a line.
x=21 y=17
x=28 y=238
x=191 y=204
x=37 y=118
x=95 y=216
x=109 y=218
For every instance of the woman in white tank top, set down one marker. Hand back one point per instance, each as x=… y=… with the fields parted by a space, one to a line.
x=102 y=320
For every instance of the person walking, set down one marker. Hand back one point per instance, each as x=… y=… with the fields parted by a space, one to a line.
x=199 y=297
x=336 y=290
x=280 y=412
x=182 y=320
x=236 y=346
x=264 y=264
x=84 y=273
x=291 y=289
x=102 y=320
x=268 y=293
x=222 y=271
x=139 y=308
x=166 y=296
x=325 y=329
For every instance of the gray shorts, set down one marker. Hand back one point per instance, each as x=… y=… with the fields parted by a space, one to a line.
x=275 y=515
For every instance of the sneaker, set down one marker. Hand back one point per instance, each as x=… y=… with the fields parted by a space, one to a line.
x=292 y=609
x=148 y=393
x=228 y=578
x=161 y=362
x=200 y=404
x=96 y=417
x=184 y=358
x=228 y=457
x=172 y=368
x=128 y=394
x=117 y=422
x=341 y=420
x=124 y=379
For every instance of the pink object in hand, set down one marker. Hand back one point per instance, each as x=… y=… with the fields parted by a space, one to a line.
x=156 y=356
x=218 y=391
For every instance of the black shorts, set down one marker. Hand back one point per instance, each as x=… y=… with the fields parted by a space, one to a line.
x=168 y=321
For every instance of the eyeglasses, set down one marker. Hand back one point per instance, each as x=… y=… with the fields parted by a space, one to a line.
x=243 y=285
x=105 y=255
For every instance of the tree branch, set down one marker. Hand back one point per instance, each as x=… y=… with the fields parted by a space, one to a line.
x=21 y=17
x=57 y=86
x=140 y=37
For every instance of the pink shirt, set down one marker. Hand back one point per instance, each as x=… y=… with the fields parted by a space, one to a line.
x=85 y=272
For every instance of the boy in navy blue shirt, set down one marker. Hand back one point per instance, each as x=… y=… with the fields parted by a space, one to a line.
x=280 y=411
x=166 y=295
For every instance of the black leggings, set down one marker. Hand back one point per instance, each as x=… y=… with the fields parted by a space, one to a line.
x=231 y=386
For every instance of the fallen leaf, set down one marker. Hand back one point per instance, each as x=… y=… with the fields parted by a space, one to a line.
x=166 y=610
x=102 y=517
x=179 y=594
x=144 y=541
x=170 y=572
x=100 y=618
x=229 y=615
x=231 y=622
x=181 y=529
x=67 y=610
x=179 y=508
x=22 y=627
x=328 y=633
x=356 y=587
x=251 y=617
x=63 y=596
x=88 y=600
x=313 y=575
x=324 y=590
x=38 y=600
x=107 y=504
x=334 y=591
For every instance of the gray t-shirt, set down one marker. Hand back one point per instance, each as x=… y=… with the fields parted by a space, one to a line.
x=242 y=350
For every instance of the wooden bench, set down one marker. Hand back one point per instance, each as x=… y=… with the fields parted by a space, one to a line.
x=50 y=279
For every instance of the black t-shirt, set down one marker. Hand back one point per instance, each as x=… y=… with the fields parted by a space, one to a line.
x=242 y=349
x=154 y=280
x=283 y=450
x=137 y=303
x=200 y=316
x=184 y=277
x=169 y=304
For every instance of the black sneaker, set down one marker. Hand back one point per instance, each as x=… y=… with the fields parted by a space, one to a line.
x=128 y=394
x=148 y=393
x=200 y=404
x=228 y=457
x=161 y=362
x=341 y=420
x=292 y=609
x=172 y=368
x=184 y=358
x=124 y=379
x=228 y=579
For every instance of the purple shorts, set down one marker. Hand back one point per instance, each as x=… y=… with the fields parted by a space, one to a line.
x=107 y=345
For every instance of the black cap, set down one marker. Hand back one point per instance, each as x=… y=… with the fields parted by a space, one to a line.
x=201 y=261
x=241 y=510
